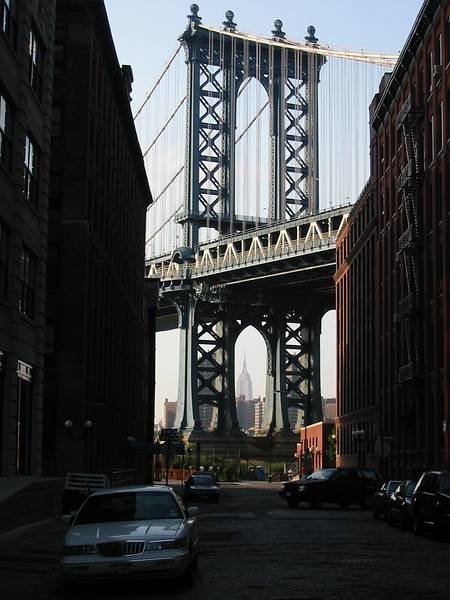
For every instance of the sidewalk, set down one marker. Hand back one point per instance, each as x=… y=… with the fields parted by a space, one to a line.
x=25 y=500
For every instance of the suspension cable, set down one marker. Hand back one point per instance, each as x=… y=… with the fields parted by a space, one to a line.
x=166 y=68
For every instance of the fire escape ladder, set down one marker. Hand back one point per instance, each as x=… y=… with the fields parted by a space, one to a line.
x=408 y=244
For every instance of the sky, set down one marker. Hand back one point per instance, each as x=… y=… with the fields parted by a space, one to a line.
x=145 y=33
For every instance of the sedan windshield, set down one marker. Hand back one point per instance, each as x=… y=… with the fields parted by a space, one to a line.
x=322 y=474
x=445 y=484
x=203 y=480
x=128 y=506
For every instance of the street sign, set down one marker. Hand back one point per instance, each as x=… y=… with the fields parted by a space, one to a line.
x=145 y=447
x=170 y=434
x=178 y=449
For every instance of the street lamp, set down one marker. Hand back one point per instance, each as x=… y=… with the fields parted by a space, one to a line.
x=359 y=437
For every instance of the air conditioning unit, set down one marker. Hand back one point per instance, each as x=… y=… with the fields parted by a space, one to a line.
x=437 y=71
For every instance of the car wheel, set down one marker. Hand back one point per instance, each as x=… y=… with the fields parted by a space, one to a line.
x=69 y=588
x=439 y=532
x=366 y=501
x=293 y=502
x=403 y=521
x=389 y=517
x=187 y=579
x=316 y=504
x=417 y=525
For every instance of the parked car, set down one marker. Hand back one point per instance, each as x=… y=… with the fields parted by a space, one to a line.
x=130 y=533
x=380 y=497
x=398 y=508
x=201 y=486
x=340 y=486
x=431 y=503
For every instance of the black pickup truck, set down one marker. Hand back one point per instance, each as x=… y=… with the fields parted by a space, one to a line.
x=340 y=486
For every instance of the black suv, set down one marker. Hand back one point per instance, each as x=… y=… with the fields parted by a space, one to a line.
x=430 y=504
x=342 y=486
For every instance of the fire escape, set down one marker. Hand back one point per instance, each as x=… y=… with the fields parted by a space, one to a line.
x=408 y=243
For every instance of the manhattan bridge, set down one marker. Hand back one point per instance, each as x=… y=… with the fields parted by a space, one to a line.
x=240 y=234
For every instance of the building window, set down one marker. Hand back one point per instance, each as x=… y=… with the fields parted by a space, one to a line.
x=448 y=39
x=429 y=85
x=448 y=115
x=3 y=260
x=31 y=171
x=5 y=132
x=23 y=418
x=59 y=59
x=440 y=128
x=27 y=282
x=35 y=63
x=431 y=140
x=56 y=122
x=7 y=18
x=439 y=50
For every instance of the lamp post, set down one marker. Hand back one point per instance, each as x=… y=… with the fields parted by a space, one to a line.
x=359 y=437
x=87 y=426
x=130 y=440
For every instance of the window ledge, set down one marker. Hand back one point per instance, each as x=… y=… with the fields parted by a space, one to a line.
x=30 y=320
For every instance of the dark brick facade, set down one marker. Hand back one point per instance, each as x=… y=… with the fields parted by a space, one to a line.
x=97 y=387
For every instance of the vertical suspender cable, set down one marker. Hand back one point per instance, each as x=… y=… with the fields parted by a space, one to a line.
x=209 y=123
x=258 y=134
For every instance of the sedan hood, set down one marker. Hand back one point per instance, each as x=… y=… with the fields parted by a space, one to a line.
x=161 y=529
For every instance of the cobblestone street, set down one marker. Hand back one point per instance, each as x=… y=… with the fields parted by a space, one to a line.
x=252 y=545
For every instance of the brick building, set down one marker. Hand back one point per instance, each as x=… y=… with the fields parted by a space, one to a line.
x=355 y=319
x=401 y=398
x=26 y=71
x=97 y=379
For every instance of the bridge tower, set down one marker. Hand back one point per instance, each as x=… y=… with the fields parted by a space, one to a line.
x=219 y=61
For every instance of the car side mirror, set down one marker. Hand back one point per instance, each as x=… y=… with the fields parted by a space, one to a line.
x=67 y=519
x=193 y=511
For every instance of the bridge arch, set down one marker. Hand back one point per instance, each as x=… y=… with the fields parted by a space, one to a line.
x=252 y=152
x=252 y=357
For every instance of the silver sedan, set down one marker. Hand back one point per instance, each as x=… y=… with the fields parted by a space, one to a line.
x=130 y=533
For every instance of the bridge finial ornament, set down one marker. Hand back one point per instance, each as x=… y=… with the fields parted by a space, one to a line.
x=277 y=33
x=193 y=17
x=229 y=25
x=311 y=37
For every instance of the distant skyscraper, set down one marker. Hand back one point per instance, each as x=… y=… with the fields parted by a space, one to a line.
x=208 y=416
x=259 y=413
x=169 y=410
x=244 y=384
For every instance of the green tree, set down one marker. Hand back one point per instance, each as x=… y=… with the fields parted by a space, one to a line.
x=331 y=450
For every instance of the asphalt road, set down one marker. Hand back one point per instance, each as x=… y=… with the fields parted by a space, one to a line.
x=253 y=546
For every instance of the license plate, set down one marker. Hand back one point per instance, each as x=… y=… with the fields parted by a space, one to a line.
x=120 y=569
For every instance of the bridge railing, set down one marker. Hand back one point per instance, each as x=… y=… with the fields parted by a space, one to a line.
x=212 y=260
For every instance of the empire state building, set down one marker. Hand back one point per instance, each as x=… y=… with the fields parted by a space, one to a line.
x=244 y=384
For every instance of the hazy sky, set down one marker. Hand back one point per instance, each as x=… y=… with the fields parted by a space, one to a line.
x=145 y=33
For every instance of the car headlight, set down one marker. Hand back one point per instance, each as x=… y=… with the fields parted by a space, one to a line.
x=84 y=549
x=167 y=544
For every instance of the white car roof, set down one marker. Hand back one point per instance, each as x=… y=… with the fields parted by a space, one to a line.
x=151 y=489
